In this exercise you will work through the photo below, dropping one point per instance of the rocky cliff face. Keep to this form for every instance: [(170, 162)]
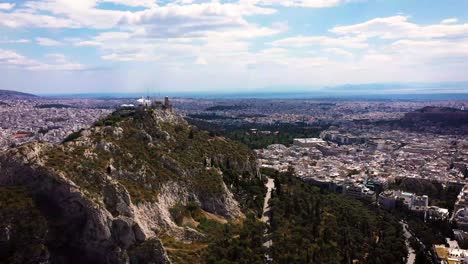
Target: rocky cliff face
[(108, 191)]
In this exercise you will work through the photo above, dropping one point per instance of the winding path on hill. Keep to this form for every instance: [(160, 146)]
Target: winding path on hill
[(266, 215)]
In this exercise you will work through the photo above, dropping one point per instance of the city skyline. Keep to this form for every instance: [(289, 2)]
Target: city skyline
[(131, 46)]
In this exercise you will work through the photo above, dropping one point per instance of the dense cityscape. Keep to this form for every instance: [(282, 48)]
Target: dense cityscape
[(362, 149)]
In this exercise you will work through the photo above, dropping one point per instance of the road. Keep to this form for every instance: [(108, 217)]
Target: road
[(266, 215), (411, 253), (266, 207)]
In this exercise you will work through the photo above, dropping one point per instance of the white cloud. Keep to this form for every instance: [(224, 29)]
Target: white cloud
[(307, 41), (14, 41), (409, 44), (215, 9), (375, 58), (399, 27), (174, 33), (174, 39), (194, 17), (88, 43), (130, 56), (48, 42), (449, 21), (6, 6), (23, 18), (303, 3), (418, 51), (83, 13), (339, 52), (133, 3), (56, 57), (201, 61), (8, 55), (388, 27), (12, 60), (193, 20)]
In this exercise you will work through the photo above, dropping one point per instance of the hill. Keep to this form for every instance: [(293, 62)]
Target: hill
[(114, 193), (441, 115), (8, 95)]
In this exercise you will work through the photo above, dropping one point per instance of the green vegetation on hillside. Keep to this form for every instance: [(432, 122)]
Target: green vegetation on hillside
[(233, 241), (280, 133), (23, 229), (72, 136), (150, 152), (243, 247), (226, 107), (262, 140), (312, 226), (61, 106)]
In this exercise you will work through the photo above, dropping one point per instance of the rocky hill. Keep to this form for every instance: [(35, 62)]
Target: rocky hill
[(441, 115), (108, 193), (8, 95)]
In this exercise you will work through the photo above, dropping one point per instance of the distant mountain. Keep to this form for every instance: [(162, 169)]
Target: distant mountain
[(8, 94), (435, 109), (396, 88)]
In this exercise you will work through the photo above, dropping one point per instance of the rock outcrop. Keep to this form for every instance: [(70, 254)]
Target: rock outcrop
[(107, 194)]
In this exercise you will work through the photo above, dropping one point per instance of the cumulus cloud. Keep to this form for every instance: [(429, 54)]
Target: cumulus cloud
[(339, 52), (399, 27), (194, 20), (14, 41), (418, 51), (88, 14), (10, 57), (77, 14), (175, 32), (12, 60), (6, 6), (56, 57), (25, 18), (307, 41), (304, 3), (133, 3), (408, 43), (449, 21), (48, 42), (179, 37)]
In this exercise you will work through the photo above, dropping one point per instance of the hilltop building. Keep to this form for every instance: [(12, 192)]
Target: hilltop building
[(147, 102), (388, 200), (359, 192), (144, 101)]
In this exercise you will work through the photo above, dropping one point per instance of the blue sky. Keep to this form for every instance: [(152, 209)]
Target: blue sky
[(127, 46)]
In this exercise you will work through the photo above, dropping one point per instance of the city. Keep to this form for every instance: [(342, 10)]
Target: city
[(362, 150)]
